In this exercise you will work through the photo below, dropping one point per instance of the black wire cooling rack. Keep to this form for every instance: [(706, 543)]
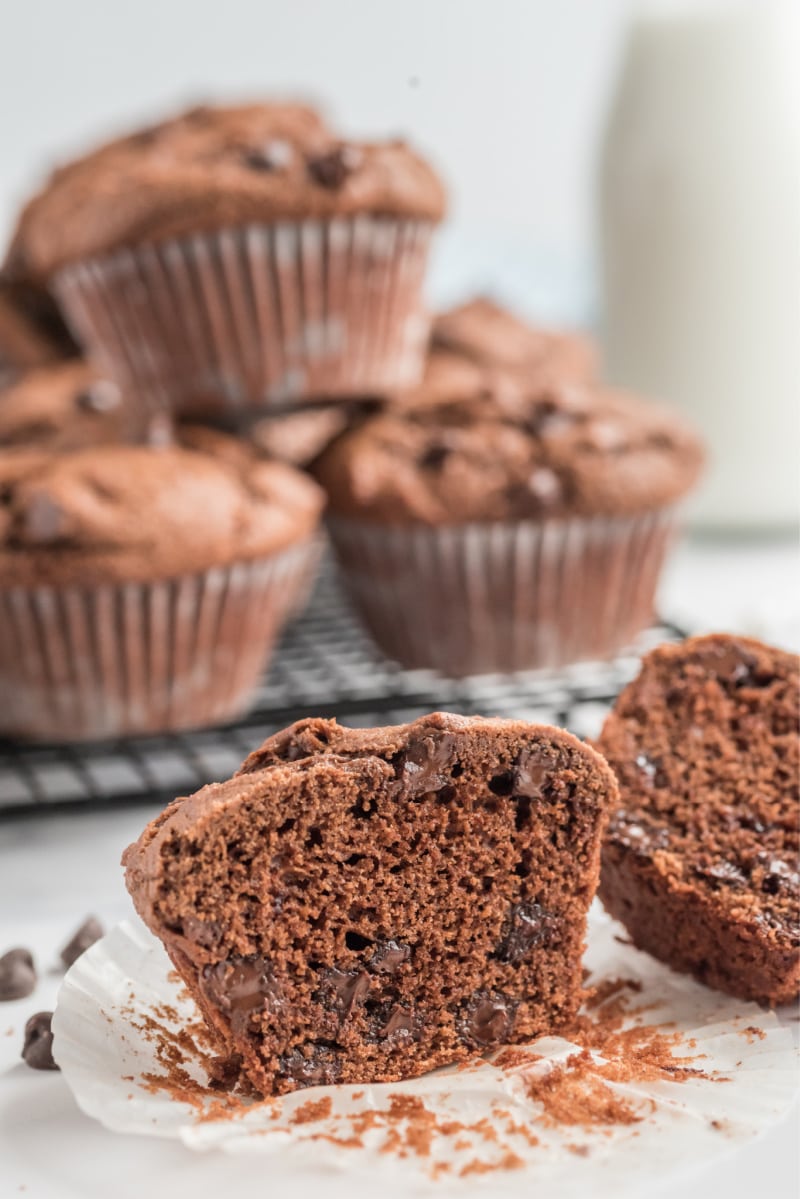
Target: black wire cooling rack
[(325, 665)]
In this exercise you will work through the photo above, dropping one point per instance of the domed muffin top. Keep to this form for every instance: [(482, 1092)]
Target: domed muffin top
[(136, 513), (507, 452), (490, 336), (212, 168)]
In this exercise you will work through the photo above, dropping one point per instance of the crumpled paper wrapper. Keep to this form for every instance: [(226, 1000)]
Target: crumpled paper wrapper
[(123, 1017)]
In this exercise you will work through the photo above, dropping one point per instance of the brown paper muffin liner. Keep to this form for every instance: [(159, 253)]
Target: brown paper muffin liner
[(247, 318), (482, 599), (80, 663)]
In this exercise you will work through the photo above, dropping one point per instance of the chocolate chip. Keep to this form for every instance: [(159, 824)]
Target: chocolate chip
[(529, 925), (41, 521), (402, 1024), (17, 975), (636, 835), (723, 872), (730, 663), (434, 457), (532, 770), (342, 990), (486, 1019), (605, 436), (425, 765), (100, 396), (206, 933), (274, 155), (90, 931), (312, 1065), (241, 987), (389, 957), (332, 168), (37, 1048), (545, 486)]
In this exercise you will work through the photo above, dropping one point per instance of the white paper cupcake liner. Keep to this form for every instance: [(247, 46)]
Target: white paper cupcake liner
[(245, 318), (81, 663), (122, 992), (487, 598)]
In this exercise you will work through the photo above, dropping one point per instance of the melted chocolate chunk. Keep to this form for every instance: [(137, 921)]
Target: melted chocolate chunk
[(100, 396), (342, 990), (389, 957), (242, 987), (206, 933), (730, 663), (425, 765), (332, 168), (402, 1025), (37, 1048), (17, 975), (529, 925), (486, 1019), (90, 931), (274, 155), (312, 1065), (532, 771)]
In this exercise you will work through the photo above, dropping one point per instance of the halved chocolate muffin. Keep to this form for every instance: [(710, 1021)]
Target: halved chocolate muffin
[(365, 905), (701, 861)]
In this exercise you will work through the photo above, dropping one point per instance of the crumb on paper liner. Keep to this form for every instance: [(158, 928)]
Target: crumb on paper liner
[(659, 1074)]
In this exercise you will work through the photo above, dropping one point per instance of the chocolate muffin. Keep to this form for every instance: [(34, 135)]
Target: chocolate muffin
[(141, 589), (240, 257), (509, 528), (701, 862), (32, 331), (365, 905), (65, 407), (490, 336)]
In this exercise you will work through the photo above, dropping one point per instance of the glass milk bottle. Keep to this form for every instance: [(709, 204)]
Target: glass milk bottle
[(699, 227)]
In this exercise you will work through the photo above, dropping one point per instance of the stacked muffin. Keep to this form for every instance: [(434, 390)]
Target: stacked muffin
[(248, 268), (229, 259)]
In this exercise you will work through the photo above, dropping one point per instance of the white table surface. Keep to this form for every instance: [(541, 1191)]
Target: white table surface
[(56, 869)]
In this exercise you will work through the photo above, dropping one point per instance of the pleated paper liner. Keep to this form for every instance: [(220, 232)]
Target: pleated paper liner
[(694, 1075), (247, 318), (494, 598), (82, 663)]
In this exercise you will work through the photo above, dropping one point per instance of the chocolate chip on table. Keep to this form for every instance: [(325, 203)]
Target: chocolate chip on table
[(273, 155), (486, 1019), (37, 1048), (17, 975), (332, 168), (90, 931)]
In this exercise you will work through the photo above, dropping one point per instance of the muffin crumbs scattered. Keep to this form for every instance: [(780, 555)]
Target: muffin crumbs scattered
[(573, 1093)]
